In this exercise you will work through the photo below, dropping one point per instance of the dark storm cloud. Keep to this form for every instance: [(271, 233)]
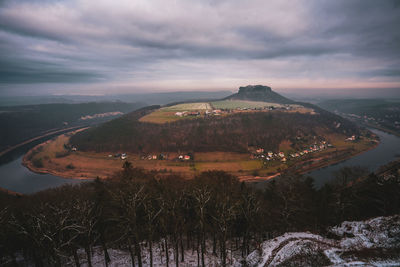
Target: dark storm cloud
[(372, 28), (139, 42), (25, 72)]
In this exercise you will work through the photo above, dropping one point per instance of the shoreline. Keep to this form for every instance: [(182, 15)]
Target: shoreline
[(254, 179), (29, 165), (245, 178), (10, 192), (10, 149)]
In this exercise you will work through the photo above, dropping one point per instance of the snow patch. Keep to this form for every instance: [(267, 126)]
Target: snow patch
[(381, 232)]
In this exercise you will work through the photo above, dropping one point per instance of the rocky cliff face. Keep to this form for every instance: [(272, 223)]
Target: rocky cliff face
[(254, 89), (259, 93)]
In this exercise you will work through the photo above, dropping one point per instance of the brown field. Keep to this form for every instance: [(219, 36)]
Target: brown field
[(92, 165), (161, 116), (284, 146), (220, 156), (302, 110), (229, 166)]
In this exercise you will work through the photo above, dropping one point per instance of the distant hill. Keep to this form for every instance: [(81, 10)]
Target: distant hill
[(148, 98), (20, 123), (234, 132), (379, 113), (259, 93)]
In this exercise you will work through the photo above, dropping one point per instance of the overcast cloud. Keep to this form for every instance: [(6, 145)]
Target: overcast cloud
[(101, 46)]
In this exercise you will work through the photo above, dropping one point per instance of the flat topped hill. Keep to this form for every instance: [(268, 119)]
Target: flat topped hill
[(248, 98), (259, 93)]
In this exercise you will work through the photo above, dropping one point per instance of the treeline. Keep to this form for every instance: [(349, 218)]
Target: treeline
[(134, 210), (20, 123), (235, 132)]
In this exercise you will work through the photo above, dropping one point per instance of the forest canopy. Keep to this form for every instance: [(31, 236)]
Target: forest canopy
[(134, 210)]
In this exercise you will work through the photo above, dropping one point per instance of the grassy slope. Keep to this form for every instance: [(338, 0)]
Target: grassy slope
[(233, 104)]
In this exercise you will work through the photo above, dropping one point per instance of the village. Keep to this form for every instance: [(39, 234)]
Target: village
[(255, 153), (258, 153), (268, 156), (222, 111)]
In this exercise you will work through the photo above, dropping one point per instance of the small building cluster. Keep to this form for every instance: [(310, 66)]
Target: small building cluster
[(218, 112), (154, 157), (187, 113), (70, 148), (122, 156), (184, 157), (281, 156), (280, 107), (351, 138), (206, 113)]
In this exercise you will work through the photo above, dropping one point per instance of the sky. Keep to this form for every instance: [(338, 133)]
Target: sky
[(138, 46)]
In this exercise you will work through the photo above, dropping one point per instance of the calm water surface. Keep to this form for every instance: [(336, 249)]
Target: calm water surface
[(387, 151), (15, 177)]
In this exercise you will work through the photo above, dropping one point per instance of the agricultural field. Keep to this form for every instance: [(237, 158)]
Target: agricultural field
[(234, 104), (52, 157), (188, 106), (161, 116), (167, 114)]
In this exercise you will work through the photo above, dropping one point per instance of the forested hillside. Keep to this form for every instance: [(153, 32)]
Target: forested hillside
[(380, 113), (20, 123), (233, 133)]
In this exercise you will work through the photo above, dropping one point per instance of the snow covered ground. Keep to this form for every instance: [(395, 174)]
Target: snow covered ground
[(375, 242), (122, 258)]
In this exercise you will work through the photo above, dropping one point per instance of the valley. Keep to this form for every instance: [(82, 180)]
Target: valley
[(253, 140), (199, 133)]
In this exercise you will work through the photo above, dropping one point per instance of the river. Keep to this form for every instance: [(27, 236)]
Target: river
[(15, 177), (387, 151)]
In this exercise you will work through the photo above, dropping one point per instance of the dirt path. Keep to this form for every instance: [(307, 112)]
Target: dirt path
[(281, 245)]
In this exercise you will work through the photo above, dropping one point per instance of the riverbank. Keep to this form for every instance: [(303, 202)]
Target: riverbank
[(386, 130), (9, 192), (385, 152), (47, 134), (320, 163), (54, 146), (51, 157)]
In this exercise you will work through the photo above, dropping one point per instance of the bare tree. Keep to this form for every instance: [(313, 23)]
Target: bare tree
[(86, 223), (202, 196), (152, 211), (129, 201)]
